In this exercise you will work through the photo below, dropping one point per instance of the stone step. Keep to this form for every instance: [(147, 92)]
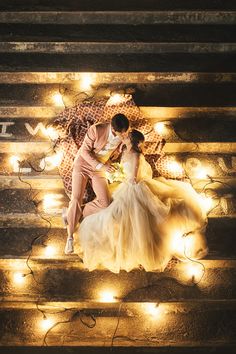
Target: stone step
[(115, 324), (112, 78), (46, 113), (24, 147), (104, 5), (16, 240), (54, 182), (21, 200), (220, 129), (66, 279), (179, 349), (118, 48), (197, 163), (114, 36), (184, 94), (48, 218), (195, 62), (119, 17)]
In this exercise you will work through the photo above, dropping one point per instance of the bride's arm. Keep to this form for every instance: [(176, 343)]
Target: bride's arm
[(135, 165)]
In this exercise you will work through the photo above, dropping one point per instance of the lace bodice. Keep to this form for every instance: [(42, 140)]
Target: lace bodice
[(144, 169)]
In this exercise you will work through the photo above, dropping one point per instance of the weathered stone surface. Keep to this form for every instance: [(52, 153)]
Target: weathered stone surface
[(181, 323), (119, 17), (114, 48)]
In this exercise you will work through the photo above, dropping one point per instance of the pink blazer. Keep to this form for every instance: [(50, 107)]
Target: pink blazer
[(94, 141)]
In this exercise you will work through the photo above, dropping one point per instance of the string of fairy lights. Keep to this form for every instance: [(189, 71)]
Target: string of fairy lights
[(193, 268)]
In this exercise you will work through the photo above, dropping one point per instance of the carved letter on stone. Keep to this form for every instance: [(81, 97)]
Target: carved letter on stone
[(34, 131), (3, 133)]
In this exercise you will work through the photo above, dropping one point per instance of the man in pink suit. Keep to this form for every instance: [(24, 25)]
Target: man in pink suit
[(91, 162)]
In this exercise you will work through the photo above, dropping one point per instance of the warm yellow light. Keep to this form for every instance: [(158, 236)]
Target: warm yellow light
[(205, 202), (160, 128), (19, 278), (194, 270), (201, 173), (51, 200), (58, 100), (177, 242), (50, 251), (86, 81), (15, 162), (46, 324), (116, 98), (107, 296), (153, 309), (174, 167), (51, 133), (51, 162)]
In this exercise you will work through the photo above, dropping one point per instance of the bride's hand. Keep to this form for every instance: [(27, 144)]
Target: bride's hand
[(132, 180), (108, 168)]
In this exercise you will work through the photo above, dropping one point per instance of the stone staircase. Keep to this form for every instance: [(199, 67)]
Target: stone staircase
[(179, 59)]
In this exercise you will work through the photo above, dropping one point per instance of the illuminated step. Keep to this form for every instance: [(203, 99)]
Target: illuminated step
[(52, 277), (157, 113), (220, 129), (114, 78), (119, 17), (29, 220), (46, 182), (16, 240), (135, 327), (169, 94), (52, 182), (114, 48), (23, 147)]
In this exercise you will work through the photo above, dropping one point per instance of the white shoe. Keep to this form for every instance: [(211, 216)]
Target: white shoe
[(64, 216), (69, 248)]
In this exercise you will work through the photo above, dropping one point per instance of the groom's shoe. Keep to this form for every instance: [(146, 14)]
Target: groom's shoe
[(64, 216), (69, 248)]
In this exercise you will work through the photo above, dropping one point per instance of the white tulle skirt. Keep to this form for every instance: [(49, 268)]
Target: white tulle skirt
[(146, 225)]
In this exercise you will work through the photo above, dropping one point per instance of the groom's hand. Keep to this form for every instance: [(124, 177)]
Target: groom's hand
[(108, 168)]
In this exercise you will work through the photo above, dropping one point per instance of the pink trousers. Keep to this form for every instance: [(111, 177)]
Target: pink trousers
[(82, 171)]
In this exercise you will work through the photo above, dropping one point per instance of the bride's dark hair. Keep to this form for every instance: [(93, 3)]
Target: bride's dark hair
[(136, 137)]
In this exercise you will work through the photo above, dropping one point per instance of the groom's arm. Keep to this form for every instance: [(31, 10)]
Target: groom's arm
[(86, 150)]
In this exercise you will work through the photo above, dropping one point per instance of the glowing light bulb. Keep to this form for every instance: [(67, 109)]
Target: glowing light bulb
[(205, 202), (116, 98), (52, 201), (19, 278), (194, 270), (15, 162), (201, 173), (46, 324), (153, 309), (174, 167), (50, 251), (51, 133), (51, 162), (107, 296), (86, 81), (58, 100), (160, 128)]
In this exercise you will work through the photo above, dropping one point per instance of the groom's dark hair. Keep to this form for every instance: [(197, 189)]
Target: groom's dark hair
[(120, 123)]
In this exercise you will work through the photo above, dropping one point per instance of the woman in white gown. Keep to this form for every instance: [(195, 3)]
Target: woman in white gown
[(146, 222)]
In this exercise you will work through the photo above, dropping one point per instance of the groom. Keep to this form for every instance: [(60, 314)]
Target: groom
[(91, 162)]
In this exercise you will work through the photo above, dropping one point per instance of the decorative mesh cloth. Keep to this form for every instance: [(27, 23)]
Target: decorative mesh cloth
[(73, 123)]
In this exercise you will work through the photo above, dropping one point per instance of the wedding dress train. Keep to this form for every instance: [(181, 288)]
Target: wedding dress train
[(145, 225)]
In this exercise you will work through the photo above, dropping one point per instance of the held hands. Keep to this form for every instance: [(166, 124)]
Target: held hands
[(108, 168)]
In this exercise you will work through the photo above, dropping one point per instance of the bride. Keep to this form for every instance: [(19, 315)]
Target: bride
[(148, 222)]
